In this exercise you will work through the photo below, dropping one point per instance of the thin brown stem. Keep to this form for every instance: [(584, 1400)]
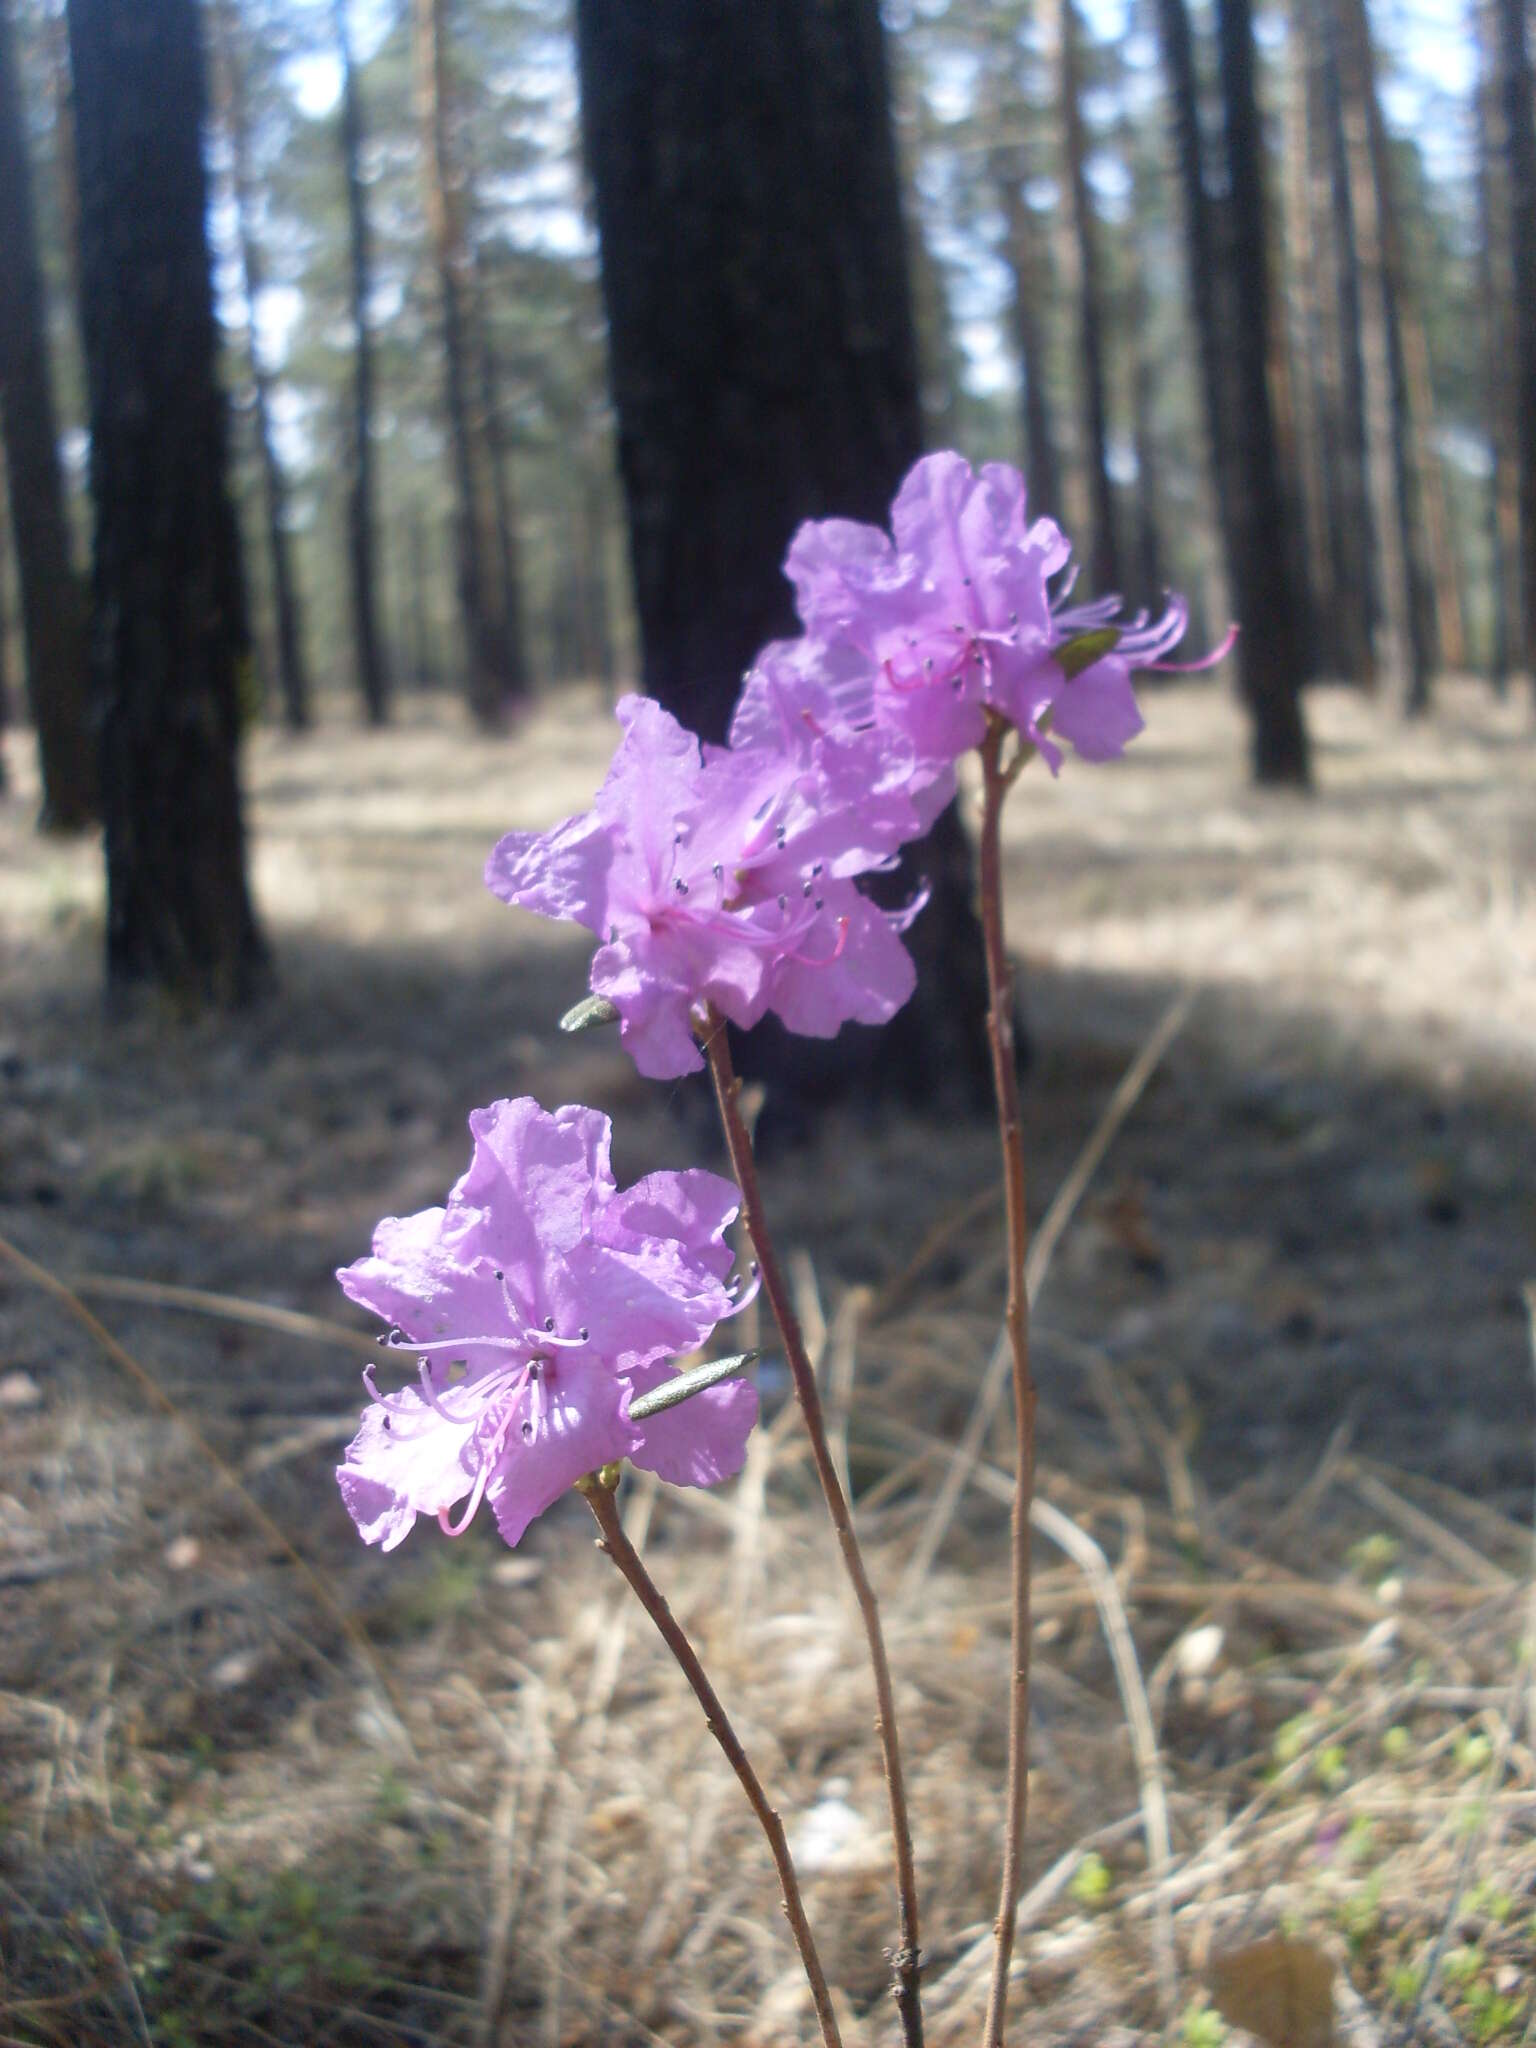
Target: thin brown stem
[(599, 1498), (996, 781), (906, 1962)]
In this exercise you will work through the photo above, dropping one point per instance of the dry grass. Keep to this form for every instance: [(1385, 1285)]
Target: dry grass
[(1287, 1431)]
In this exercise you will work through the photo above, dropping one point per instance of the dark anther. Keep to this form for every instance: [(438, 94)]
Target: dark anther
[(549, 1322)]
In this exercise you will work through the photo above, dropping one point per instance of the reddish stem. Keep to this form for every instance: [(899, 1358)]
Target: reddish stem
[(906, 1962), (996, 782), (599, 1498)]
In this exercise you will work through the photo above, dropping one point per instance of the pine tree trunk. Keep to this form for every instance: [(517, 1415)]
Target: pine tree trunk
[(362, 514), (1436, 585), (1307, 352), (495, 671), (1341, 376), (1406, 619), (1355, 505), (168, 604), (1520, 150), (52, 604), (1026, 257), (764, 371), (6, 713), (1493, 285), (293, 680), (503, 506), (1270, 647), (1083, 284)]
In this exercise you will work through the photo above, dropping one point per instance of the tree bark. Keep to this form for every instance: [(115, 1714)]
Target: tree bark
[(168, 623), (1027, 261), (1493, 286), (373, 679), (1083, 284), (5, 639), (52, 603), (496, 675), (292, 677), (1520, 150), (1307, 350), (764, 371), (1406, 625), (1270, 656)]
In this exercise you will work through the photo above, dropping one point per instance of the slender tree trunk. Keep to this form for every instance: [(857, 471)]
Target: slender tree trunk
[(1421, 486), (503, 504), (1503, 501), (592, 559), (1406, 619), (5, 637), (293, 681), (764, 371), (1520, 149), (1025, 253), (1340, 400), (1271, 642), (1083, 283), (419, 639), (495, 681), (1148, 581), (168, 612), (1200, 251), (1307, 349), (52, 606), (362, 513)]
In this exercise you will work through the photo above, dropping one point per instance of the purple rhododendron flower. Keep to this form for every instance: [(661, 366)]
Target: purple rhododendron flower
[(724, 876), (536, 1305), (923, 630)]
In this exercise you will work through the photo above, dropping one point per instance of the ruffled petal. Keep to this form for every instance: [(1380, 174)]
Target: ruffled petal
[(563, 873)]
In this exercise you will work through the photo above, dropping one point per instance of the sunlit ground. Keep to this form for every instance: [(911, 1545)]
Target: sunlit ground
[(1287, 1387)]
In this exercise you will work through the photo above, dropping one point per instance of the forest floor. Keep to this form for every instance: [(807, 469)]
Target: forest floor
[(1283, 1676)]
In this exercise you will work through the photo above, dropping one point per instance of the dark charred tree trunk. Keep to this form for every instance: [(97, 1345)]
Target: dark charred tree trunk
[(1341, 399), (1520, 148), (293, 680), (1084, 285), (1503, 504), (52, 602), (168, 622), (1271, 656), (1307, 351), (5, 639), (362, 514), (496, 675), (1200, 250), (1235, 383), (765, 371)]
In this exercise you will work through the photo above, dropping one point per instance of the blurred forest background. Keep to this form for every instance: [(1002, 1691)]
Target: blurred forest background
[(1247, 292), (386, 384)]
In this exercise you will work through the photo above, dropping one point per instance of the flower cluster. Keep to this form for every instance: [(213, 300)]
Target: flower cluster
[(726, 876), (534, 1308), (541, 1303)]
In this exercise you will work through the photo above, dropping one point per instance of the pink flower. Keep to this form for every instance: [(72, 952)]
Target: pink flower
[(923, 630), (534, 1307), (723, 876)]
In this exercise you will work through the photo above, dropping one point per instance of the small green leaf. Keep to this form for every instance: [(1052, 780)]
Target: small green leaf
[(686, 1384), (1073, 656), (589, 1013)]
